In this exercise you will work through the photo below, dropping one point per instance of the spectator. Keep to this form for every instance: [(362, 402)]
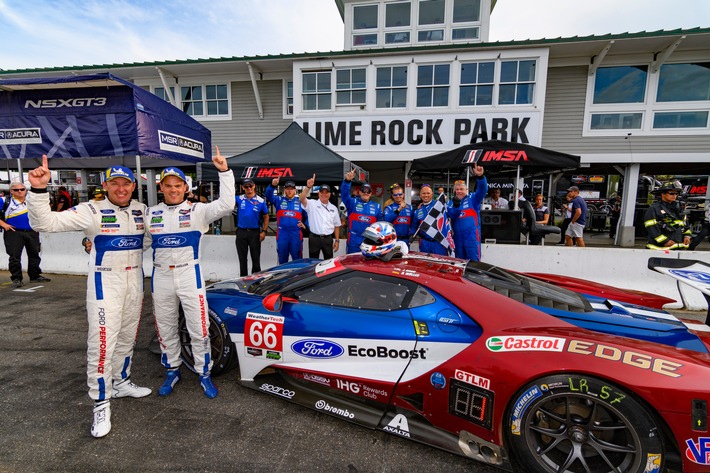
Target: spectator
[(495, 200), (323, 221), (426, 243), (19, 235), (289, 221), (542, 217), (64, 201), (176, 227), (361, 212), (704, 231), (399, 214), (390, 201), (464, 210), (252, 223), (511, 204), (614, 214), (665, 223), (578, 209), (440, 191), (114, 292), (98, 195), (567, 214)]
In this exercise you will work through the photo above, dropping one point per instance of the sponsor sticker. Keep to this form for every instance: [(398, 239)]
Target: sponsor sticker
[(278, 390), (698, 451), (437, 380), (20, 136), (473, 379), (520, 405), (230, 310), (525, 343), (385, 352), (317, 348), (653, 463), (322, 405), (264, 332), (398, 426)]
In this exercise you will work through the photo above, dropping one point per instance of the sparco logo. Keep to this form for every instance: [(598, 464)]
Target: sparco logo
[(316, 348), (525, 344), (171, 241), (278, 390), (384, 352), (324, 406), (127, 243), (59, 103)]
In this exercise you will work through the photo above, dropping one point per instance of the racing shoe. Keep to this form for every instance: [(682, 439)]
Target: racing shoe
[(102, 419), (210, 389), (172, 377), (126, 388)]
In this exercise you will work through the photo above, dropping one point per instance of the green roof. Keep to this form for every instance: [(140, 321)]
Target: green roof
[(378, 51)]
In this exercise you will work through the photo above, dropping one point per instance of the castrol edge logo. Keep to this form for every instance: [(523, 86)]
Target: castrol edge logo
[(518, 343)]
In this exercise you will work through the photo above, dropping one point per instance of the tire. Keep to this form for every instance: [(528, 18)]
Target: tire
[(580, 424), (224, 355)]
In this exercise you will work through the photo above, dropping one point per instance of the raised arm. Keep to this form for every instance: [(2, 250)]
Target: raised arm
[(303, 196)]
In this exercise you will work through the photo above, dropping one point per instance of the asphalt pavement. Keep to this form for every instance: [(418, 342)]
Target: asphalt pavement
[(45, 412)]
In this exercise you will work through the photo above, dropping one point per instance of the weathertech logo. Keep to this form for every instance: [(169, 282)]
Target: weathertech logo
[(525, 344), (509, 155), (254, 172), (20, 136)]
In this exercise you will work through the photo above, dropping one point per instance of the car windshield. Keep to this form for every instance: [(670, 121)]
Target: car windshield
[(276, 281), (525, 289)]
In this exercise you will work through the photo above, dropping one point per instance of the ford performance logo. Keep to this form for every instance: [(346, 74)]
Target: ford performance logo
[(317, 348), (127, 243), (172, 241)]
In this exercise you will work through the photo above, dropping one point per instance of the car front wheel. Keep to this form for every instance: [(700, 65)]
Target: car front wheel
[(573, 423)]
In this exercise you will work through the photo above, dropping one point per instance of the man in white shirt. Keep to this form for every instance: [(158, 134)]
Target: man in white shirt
[(496, 201), (323, 221)]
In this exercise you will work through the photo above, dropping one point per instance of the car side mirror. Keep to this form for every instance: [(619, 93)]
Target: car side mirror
[(274, 302)]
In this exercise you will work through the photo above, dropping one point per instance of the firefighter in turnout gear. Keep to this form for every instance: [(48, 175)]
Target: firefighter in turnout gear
[(665, 223)]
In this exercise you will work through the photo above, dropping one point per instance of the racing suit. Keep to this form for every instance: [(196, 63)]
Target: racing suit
[(176, 232), (426, 243), (114, 293), (665, 221), (466, 221), (360, 216), (289, 240), (401, 220)]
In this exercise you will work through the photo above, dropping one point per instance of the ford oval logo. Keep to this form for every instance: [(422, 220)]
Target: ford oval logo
[(696, 276), (127, 243), (288, 213), (171, 241), (317, 348), (363, 218)]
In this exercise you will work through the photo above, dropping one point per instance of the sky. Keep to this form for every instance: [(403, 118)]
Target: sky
[(64, 33)]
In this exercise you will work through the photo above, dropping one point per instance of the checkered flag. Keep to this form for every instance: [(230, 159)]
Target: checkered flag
[(436, 225)]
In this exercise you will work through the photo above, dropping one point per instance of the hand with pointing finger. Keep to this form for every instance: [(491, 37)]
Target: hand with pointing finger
[(311, 181), (39, 177)]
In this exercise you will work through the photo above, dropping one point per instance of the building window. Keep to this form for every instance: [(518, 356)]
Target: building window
[(622, 84), (391, 88), (616, 121), (192, 103), (477, 80), (162, 93), (680, 120), (458, 34), (216, 100), (431, 12), (397, 14), (433, 85), (399, 37), (430, 35), (466, 11), (350, 86), (684, 83), (517, 82), (289, 98), (316, 91), (364, 17), (205, 100)]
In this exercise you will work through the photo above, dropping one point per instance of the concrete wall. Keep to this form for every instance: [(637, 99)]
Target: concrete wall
[(620, 267)]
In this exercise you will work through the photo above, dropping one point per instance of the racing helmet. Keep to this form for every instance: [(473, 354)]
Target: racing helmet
[(380, 239)]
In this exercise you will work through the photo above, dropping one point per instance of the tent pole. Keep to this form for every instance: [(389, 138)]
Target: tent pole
[(515, 191), (139, 178), (19, 168)]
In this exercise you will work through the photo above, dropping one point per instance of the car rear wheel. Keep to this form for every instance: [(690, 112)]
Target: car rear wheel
[(580, 424), (224, 356)]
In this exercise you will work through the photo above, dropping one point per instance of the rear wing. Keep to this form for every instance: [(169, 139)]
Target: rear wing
[(695, 274)]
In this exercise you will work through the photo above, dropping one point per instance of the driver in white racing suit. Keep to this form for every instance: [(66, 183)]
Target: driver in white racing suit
[(114, 295), (176, 227)]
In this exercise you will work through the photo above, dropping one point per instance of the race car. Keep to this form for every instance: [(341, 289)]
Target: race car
[(476, 360)]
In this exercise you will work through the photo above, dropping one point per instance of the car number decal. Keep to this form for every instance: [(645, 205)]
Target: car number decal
[(264, 332)]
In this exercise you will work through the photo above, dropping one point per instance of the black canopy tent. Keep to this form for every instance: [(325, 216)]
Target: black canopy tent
[(293, 155)]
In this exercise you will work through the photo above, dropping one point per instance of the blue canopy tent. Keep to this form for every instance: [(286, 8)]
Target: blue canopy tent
[(101, 119)]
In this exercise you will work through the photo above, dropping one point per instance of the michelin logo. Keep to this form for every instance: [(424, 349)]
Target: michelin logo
[(179, 144), (20, 136)]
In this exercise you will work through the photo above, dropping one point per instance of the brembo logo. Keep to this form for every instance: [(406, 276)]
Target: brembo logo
[(66, 103)]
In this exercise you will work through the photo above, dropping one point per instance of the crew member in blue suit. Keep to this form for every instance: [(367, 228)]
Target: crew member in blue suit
[(399, 214), (361, 212), (426, 243), (464, 211), (252, 223), (289, 215)]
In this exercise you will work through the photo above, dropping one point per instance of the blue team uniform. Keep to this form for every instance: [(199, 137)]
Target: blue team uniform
[(426, 243), (360, 216), (289, 239), (466, 222), (400, 220)]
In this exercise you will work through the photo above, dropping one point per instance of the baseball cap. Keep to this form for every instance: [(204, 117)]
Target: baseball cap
[(366, 186), (324, 187), (573, 188), (247, 182), (290, 184), (119, 171), (172, 172)]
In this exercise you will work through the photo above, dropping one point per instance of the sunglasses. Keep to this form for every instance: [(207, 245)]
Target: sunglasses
[(397, 194), (671, 193), (248, 186), (366, 192), (18, 190)]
